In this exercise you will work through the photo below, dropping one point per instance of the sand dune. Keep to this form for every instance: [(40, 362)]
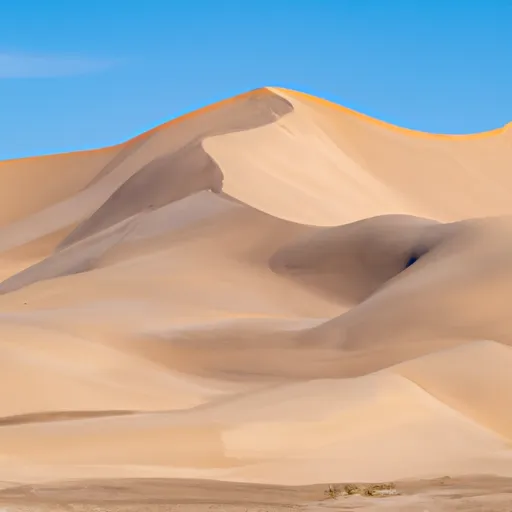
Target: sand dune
[(274, 289)]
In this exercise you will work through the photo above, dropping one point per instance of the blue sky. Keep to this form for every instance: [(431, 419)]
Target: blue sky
[(79, 75)]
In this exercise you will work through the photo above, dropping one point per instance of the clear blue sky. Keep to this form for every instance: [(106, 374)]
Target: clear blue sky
[(76, 75)]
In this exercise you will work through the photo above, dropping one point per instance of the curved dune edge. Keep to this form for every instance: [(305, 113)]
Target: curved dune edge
[(273, 289), (390, 126), (162, 126)]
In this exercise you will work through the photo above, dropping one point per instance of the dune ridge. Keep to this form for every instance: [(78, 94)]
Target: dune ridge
[(273, 289)]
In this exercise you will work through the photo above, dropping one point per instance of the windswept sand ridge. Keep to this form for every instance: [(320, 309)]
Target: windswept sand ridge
[(274, 289), (239, 113)]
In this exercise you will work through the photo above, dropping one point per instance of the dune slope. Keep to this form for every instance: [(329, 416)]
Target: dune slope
[(274, 289)]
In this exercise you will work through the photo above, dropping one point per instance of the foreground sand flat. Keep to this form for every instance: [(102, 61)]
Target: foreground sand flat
[(470, 494), (271, 290)]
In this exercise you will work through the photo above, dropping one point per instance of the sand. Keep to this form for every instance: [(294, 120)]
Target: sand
[(251, 302)]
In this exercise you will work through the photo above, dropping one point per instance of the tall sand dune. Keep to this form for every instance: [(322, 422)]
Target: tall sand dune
[(273, 289)]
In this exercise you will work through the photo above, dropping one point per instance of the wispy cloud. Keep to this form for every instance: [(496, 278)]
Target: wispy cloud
[(22, 65)]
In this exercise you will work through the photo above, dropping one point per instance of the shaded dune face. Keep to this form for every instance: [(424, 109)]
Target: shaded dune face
[(243, 112), (458, 289), (351, 262), (166, 179), (77, 258), (185, 167)]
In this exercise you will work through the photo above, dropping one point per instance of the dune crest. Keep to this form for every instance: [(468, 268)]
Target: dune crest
[(274, 289)]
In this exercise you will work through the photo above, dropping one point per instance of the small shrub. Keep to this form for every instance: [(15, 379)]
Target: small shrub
[(374, 490), (333, 492), (385, 489), (352, 489)]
